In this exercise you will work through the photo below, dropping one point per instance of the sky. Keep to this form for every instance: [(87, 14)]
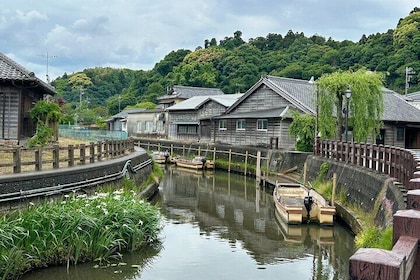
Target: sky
[(67, 36)]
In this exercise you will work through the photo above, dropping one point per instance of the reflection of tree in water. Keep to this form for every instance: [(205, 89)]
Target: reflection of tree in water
[(233, 207)]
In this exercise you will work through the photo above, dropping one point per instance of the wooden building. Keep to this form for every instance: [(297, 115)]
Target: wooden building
[(261, 117), (191, 120), (19, 91), (177, 94), (147, 123)]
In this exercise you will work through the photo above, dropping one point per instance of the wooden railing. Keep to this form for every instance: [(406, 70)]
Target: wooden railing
[(396, 162), (18, 159), (403, 261)]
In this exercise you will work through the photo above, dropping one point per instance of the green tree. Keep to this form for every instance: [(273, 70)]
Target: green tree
[(365, 105), (46, 115), (303, 129)]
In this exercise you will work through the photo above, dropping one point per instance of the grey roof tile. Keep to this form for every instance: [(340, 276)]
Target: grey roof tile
[(195, 102), (186, 92), (12, 71)]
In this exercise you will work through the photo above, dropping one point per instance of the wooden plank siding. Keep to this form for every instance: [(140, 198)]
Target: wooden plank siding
[(9, 115), (199, 115), (262, 98), (276, 129)]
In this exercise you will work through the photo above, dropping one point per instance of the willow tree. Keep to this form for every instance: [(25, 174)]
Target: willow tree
[(365, 105)]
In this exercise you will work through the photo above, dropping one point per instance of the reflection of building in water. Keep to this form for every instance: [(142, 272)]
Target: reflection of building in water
[(232, 208)]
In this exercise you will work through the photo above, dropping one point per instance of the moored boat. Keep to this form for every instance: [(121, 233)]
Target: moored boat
[(296, 204), (198, 162), (161, 157)]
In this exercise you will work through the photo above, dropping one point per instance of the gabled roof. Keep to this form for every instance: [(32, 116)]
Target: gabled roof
[(123, 114), (300, 93), (414, 96), (11, 71), (397, 109), (196, 102), (185, 92)]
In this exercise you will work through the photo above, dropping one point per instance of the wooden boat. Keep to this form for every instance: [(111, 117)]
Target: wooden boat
[(161, 157), (296, 204), (198, 162)]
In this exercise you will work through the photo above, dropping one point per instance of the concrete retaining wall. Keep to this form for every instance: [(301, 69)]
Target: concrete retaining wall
[(372, 191), (136, 165)]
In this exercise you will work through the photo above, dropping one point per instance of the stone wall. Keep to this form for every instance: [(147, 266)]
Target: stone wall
[(371, 191)]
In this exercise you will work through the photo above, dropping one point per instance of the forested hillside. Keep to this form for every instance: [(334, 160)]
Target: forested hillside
[(234, 65)]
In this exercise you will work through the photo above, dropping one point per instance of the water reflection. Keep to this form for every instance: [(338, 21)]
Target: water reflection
[(223, 226)]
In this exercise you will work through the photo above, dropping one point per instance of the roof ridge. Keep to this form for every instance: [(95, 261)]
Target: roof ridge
[(17, 66)]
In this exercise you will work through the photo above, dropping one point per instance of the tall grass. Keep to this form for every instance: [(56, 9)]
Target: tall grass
[(76, 229)]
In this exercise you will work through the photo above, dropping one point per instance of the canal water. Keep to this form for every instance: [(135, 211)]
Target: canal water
[(223, 226)]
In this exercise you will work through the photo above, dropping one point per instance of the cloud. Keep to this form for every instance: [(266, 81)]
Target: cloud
[(137, 34)]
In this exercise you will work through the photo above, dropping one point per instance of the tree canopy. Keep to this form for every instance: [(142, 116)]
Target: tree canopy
[(365, 104), (234, 65)]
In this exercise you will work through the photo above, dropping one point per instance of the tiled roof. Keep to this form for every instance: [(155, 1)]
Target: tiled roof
[(123, 114), (300, 93), (12, 71), (397, 109), (185, 92), (195, 102)]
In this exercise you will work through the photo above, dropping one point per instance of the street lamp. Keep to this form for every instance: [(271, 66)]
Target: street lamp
[(347, 93)]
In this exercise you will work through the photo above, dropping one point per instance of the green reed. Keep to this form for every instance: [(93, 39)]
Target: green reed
[(76, 229)]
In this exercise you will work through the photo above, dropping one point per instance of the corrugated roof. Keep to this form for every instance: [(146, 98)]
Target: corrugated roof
[(12, 71), (185, 92), (196, 102)]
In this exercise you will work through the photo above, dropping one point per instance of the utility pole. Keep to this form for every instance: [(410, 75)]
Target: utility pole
[(408, 73)]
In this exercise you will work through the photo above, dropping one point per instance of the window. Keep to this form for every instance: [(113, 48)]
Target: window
[(138, 126), (159, 126), (148, 126), (187, 129), (222, 125), (262, 124), (400, 133), (240, 124)]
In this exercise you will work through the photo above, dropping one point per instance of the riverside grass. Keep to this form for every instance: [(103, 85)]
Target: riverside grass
[(77, 228)]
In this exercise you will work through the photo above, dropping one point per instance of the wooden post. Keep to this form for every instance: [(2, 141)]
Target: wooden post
[(305, 166), (17, 164), (246, 163), (214, 158), (99, 151), (92, 152), (230, 159), (258, 171), (56, 156), (70, 155), (334, 189), (82, 158), (38, 158)]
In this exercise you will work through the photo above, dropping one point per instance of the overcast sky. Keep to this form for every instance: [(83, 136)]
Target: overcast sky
[(72, 35)]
